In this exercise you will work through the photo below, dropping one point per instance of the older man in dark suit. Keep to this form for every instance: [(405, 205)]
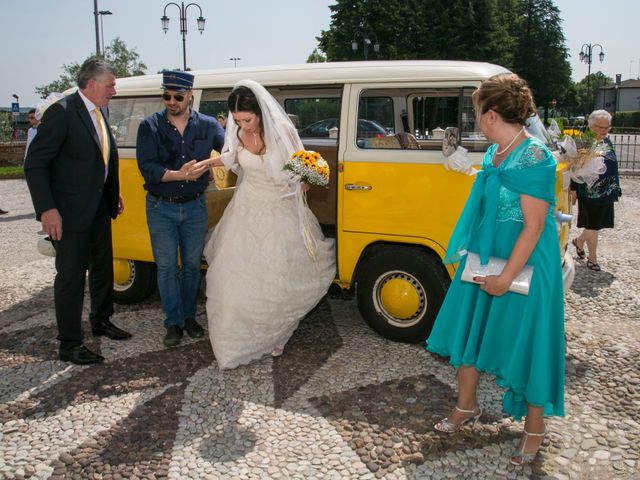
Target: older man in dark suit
[(72, 173)]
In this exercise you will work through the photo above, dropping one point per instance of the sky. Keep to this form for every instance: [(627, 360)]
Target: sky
[(40, 36)]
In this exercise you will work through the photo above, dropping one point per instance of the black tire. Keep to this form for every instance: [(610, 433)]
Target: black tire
[(413, 268), (140, 284)]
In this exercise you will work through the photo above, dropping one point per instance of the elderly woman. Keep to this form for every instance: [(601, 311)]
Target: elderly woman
[(595, 203)]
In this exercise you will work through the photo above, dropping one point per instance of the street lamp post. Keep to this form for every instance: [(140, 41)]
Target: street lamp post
[(95, 15), (183, 25), (366, 40), (616, 86), (102, 13), (235, 60), (586, 56)]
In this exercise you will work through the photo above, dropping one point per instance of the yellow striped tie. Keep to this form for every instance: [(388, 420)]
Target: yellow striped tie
[(104, 140)]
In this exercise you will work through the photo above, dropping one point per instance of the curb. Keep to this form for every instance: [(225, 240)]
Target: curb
[(11, 176)]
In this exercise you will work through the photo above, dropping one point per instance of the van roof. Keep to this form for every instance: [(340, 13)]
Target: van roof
[(330, 73)]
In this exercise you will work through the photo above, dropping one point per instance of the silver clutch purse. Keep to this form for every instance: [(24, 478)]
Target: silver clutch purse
[(473, 268)]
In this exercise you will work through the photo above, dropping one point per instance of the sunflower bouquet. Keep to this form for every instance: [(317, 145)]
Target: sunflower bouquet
[(309, 167), (585, 156)]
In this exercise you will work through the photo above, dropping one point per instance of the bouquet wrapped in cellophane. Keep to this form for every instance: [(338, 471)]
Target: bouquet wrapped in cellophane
[(585, 156), (309, 167)]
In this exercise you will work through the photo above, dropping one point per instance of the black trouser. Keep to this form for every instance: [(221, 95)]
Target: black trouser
[(77, 252)]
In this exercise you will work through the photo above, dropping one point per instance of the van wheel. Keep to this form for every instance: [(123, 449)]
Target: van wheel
[(133, 281), (400, 291)]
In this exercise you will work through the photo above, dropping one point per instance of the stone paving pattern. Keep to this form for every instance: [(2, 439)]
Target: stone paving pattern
[(341, 403)]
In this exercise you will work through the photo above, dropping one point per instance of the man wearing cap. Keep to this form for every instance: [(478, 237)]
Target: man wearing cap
[(169, 143), (72, 173)]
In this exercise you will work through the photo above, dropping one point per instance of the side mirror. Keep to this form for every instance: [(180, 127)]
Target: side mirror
[(450, 141)]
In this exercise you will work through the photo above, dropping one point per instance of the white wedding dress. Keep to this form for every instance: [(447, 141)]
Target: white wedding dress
[(261, 280)]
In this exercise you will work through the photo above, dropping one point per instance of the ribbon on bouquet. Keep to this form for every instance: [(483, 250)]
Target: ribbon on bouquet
[(304, 224)]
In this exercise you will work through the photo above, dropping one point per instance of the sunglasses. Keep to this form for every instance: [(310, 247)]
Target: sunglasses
[(178, 97)]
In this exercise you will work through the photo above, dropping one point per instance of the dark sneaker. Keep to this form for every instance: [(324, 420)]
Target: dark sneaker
[(173, 336), (193, 328)]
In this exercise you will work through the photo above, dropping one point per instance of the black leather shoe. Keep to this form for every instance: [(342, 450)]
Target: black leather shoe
[(79, 355), (193, 328), (107, 329), (173, 336)]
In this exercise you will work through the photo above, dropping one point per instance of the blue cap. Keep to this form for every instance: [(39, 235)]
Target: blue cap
[(177, 80)]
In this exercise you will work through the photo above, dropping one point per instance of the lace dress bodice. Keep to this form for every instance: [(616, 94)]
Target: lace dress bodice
[(509, 204)]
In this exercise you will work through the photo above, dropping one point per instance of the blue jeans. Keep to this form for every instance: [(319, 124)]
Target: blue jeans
[(177, 227)]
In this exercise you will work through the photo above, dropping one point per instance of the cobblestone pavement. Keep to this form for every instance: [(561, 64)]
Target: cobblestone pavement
[(341, 403)]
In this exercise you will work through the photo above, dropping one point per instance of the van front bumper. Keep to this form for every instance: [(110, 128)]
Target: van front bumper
[(568, 271)]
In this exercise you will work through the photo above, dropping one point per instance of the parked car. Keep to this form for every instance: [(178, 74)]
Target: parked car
[(320, 129)]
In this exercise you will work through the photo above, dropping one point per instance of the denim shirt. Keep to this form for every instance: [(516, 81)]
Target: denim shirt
[(160, 147)]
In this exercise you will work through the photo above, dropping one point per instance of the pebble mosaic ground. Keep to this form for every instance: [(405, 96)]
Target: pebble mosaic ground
[(341, 403)]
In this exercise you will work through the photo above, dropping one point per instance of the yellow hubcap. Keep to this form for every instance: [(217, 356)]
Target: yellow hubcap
[(400, 298), (121, 271)]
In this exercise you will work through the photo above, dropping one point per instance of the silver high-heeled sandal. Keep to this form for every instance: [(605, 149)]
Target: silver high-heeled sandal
[(519, 457), (445, 426)]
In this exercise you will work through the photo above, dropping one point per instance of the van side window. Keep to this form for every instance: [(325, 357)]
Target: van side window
[(376, 109), (125, 115), (213, 107), (314, 117), (435, 110), (416, 118)]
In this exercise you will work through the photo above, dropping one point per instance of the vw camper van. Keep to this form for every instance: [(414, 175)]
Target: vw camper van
[(391, 205)]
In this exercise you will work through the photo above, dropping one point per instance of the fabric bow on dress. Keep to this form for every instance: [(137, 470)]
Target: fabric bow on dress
[(480, 212)]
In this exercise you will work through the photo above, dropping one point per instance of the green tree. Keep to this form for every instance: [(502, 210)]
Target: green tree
[(541, 53), (125, 62), (569, 104), (316, 57), (586, 90), (479, 30), (524, 36), (6, 122), (473, 31), (66, 80)]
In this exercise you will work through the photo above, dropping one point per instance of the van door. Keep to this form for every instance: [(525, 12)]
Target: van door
[(394, 182), (398, 203)]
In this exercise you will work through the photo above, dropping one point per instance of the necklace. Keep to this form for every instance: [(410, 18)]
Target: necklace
[(255, 139), (511, 142)]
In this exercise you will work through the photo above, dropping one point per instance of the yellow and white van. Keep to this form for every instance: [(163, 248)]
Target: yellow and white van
[(391, 205)]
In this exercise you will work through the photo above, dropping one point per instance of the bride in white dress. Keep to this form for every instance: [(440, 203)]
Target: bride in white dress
[(263, 276)]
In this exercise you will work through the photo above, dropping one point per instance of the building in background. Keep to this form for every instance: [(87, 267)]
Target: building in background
[(621, 97)]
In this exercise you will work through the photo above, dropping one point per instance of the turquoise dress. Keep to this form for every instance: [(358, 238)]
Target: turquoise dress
[(517, 338)]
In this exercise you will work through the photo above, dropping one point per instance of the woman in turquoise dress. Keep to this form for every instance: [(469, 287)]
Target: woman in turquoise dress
[(484, 327)]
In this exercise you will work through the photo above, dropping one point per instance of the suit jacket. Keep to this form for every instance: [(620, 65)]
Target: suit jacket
[(64, 167)]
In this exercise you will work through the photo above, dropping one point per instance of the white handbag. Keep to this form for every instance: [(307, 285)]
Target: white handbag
[(473, 268)]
